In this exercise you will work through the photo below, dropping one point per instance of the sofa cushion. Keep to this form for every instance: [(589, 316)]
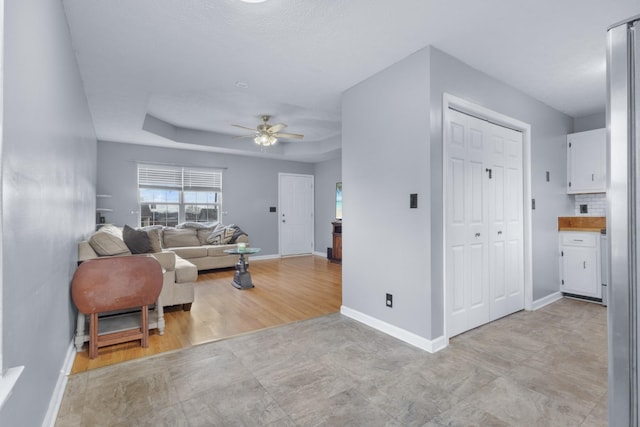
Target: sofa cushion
[(185, 271), (155, 237), (107, 241), (204, 233), (175, 238), (218, 250), (189, 252), (137, 241)]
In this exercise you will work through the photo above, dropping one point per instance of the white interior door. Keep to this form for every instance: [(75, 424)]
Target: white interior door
[(295, 217), (467, 226), (484, 259), (506, 231)]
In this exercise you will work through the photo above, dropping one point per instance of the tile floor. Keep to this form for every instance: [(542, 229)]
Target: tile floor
[(545, 368)]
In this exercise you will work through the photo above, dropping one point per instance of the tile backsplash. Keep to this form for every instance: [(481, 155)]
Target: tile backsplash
[(596, 204)]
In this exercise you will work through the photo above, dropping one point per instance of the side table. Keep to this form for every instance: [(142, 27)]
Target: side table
[(242, 278)]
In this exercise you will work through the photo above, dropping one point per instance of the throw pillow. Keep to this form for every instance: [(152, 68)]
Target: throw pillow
[(107, 241), (203, 233), (220, 236), (137, 241), (155, 237)]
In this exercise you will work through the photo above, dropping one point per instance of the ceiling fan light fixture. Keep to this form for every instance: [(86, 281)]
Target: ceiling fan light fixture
[(265, 139)]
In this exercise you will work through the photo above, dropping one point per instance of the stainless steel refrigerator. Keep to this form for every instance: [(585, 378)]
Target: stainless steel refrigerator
[(623, 125)]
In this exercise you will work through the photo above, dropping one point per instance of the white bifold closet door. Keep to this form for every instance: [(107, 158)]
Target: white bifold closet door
[(484, 233)]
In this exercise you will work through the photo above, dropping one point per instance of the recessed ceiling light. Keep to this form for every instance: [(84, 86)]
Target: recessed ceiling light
[(253, 1)]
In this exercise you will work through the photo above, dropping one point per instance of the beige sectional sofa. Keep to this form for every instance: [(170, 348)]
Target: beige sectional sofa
[(178, 277), (181, 252), (191, 244)]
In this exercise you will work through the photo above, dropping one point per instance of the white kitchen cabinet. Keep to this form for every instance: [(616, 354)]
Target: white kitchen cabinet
[(586, 162), (580, 266)]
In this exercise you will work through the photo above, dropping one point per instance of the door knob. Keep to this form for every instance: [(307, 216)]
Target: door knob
[(477, 234), (499, 232), (284, 220)]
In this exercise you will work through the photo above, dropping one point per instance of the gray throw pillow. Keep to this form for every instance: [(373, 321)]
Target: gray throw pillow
[(137, 241), (155, 237)]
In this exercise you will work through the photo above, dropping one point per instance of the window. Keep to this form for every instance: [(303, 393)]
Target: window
[(170, 195)]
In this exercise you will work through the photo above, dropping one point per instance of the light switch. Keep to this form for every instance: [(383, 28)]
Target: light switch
[(413, 200)]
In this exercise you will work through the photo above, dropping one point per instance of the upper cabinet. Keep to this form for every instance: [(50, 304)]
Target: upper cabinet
[(586, 162)]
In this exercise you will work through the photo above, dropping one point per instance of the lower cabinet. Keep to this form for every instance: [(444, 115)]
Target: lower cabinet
[(580, 266)]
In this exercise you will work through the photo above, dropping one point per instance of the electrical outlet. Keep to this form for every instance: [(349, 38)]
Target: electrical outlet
[(389, 300)]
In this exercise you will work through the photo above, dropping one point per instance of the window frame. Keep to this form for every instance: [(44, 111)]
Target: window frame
[(184, 180)]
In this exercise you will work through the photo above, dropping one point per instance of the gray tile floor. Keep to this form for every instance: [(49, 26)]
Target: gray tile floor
[(544, 368)]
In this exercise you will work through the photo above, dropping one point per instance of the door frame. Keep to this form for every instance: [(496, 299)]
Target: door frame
[(313, 209), (467, 107)]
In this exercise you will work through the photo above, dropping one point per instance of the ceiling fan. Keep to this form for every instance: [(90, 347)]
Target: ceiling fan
[(266, 134)]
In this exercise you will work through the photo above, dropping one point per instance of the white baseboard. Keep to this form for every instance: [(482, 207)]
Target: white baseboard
[(8, 380), (277, 256), (422, 343), (58, 392), (539, 303), (259, 257)]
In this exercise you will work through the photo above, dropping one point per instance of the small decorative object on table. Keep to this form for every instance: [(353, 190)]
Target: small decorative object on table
[(242, 278)]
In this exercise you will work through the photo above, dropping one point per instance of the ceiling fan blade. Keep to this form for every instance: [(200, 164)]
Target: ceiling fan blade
[(276, 128), (244, 136), (288, 135), (244, 127)]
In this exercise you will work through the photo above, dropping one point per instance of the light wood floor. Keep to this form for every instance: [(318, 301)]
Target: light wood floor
[(286, 290)]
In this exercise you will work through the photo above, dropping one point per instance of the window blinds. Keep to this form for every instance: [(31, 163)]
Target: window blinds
[(170, 177)]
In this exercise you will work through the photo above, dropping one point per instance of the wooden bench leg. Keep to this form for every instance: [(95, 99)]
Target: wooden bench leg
[(93, 335), (144, 341)]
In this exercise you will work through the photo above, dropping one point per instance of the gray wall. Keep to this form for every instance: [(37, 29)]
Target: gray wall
[(385, 157), (594, 121), (549, 128), (327, 174), (48, 199), (250, 186), (392, 146)]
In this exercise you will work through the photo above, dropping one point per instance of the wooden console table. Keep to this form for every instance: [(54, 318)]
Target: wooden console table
[(336, 252)]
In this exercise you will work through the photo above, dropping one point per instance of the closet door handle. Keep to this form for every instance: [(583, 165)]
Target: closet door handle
[(499, 232), (477, 234), (584, 265)]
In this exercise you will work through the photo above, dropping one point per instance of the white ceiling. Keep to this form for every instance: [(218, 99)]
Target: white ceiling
[(176, 62)]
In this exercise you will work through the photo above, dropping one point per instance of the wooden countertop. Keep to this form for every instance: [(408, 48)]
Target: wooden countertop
[(582, 223)]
